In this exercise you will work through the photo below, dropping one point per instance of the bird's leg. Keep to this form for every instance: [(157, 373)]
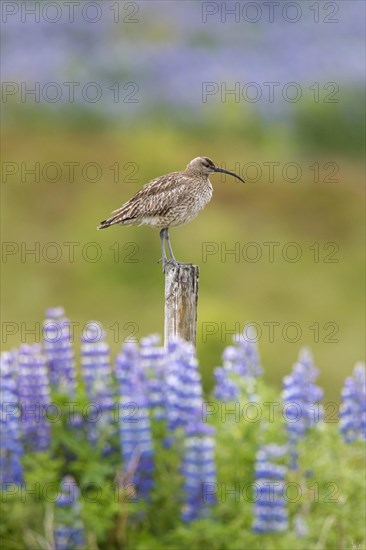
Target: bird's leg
[(172, 257), (167, 238), (164, 235), (163, 258)]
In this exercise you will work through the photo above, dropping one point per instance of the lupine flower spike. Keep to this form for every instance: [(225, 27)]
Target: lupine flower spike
[(134, 421), (301, 396), (183, 386), (199, 470), (353, 408), (97, 374), (241, 368), (34, 396), (11, 448), (59, 352), (270, 512), (68, 530)]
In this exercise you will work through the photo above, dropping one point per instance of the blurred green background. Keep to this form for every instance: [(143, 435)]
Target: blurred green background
[(169, 52)]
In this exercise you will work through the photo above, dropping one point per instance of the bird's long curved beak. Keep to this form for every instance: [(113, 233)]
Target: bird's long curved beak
[(217, 169)]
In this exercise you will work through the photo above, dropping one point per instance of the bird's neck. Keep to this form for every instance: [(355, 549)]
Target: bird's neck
[(195, 174)]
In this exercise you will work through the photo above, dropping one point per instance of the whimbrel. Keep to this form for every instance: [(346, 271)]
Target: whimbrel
[(169, 201)]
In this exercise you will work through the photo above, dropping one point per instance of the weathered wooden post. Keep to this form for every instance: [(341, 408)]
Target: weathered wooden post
[(181, 297)]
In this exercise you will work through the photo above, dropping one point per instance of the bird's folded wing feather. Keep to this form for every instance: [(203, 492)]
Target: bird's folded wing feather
[(156, 198)]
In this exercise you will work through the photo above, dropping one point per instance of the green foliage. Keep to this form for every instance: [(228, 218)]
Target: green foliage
[(337, 127), (327, 490)]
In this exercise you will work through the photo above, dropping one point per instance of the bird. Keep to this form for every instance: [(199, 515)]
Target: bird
[(169, 201)]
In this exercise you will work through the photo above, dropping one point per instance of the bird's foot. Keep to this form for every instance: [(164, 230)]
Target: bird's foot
[(171, 261)]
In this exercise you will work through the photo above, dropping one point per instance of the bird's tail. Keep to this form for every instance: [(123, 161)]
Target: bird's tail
[(114, 220), (104, 224)]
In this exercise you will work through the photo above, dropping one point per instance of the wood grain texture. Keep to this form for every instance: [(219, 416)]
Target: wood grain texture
[(181, 298)]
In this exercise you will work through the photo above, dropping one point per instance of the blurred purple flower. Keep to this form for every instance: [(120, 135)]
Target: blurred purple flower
[(68, 530), (97, 374), (352, 414), (34, 396), (153, 362), (183, 387), (301, 395), (177, 36), (58, 349), (243, 358), (270, 511), (199, 470), (241, 368), (11, 448), (134, 421), (225, 389)]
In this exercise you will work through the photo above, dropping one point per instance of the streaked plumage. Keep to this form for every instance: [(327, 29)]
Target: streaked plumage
[(168, 201)]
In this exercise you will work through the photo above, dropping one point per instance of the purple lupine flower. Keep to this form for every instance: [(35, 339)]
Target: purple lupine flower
[(301, 395), (243, 358), (260, 54), (58, 349), (183, 387), (225, 389), (134, 421), (241, 367), (352, 416), (128, 370), (270, 511), (34, 396), (68, 530), (199, 470), (153, 361), (11, 448), (97, 374)]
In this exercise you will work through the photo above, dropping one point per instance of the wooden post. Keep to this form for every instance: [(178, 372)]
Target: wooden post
[(181, 297)]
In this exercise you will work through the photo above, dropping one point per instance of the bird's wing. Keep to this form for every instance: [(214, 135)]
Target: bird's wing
[(154, 198)]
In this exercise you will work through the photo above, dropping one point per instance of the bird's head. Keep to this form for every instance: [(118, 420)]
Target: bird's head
[(204, 166)]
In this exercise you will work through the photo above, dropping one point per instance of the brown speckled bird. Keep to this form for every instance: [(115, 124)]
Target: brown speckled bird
[(168, 201)]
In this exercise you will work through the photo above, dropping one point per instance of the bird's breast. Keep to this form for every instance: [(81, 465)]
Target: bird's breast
[(191, 204)]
